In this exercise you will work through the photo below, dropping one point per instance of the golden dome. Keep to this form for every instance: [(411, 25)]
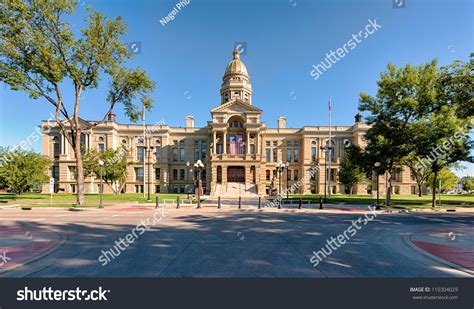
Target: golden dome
[(236, 66)]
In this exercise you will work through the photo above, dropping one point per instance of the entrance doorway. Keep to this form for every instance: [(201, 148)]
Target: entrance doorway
[(235, 174)]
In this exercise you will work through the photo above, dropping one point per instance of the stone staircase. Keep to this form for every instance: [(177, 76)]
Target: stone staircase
[(235, 189)]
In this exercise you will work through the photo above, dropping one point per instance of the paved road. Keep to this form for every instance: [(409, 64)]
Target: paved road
[(231, 243)]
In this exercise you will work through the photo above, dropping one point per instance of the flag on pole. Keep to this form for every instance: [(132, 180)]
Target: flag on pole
[(329, 104)]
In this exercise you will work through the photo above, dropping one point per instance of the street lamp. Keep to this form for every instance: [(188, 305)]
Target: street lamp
[(326, 149), (190, 170), (149, 150), (377, 165), (101, 163), (280, 167), (198, 167), (287, 164)]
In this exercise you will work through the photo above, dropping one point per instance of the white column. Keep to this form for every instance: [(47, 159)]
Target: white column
[(214, 146), (224, 142), (248, 142)]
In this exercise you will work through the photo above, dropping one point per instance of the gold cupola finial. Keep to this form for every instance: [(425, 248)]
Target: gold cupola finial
[(236, 53)]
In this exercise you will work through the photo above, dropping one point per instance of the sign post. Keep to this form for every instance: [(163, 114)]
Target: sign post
[(51, 190)]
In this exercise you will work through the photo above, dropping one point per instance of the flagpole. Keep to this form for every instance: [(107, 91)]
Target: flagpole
[(330, 149), (144, 149)]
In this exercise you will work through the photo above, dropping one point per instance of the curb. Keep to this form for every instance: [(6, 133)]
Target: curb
[(62, 240), (407, 239)]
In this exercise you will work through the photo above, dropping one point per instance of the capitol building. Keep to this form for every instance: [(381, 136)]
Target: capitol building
[(239, 151)]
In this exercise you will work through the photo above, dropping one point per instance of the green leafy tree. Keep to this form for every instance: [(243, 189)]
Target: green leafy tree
[(350, 171), (114, 170), (442, 132), (468, 183), (448, 179), (21, 170), (41, 55), (395, 105), (421, 175)]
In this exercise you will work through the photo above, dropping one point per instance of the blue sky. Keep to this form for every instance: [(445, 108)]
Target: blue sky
[(187, 57)]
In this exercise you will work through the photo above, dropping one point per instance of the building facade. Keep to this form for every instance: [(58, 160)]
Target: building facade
[(240, 153)]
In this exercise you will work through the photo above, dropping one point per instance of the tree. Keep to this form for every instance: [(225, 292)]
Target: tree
[(23, 169), (114, 170), (41, 55), (468, 183), (350, 171), (442, 131), (448, 179), (395, 106), (421, 175)]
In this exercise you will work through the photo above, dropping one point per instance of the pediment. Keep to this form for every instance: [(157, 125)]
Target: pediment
[(236, 106)]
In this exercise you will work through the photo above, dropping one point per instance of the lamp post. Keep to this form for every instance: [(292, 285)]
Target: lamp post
[(377, 165), (198, 167), (149, 150), (326, 176), (287, 164), (101, 163), (280, 167), (190, 170)]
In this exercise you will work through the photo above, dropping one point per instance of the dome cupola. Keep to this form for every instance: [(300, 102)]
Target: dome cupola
[(236, 81)]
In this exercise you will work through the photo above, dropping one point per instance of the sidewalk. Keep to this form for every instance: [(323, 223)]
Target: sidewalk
[(455, 245), (21, 244)]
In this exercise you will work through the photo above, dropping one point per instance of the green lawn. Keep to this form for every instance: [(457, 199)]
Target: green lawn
[(92, 200), (397, 200)]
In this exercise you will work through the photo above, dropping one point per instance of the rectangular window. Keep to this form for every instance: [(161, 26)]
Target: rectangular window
[(196, 154), (252, 149), (203, 175), (181, 174), (181, 154), (72, 172), (267, 155), (196, 143), (296, 152), (204, 143), (175, 174), (219, 148), (140, 153), (181, 189), (56, 150), (275, 158), (314, 153), (181, 143), (158, 153), (288, 154), (267, 174), (55, 172), (139, 173), (288, 174), (175, 154), (295, 175), (157, 189), (203, 153), (157, 173), (101, 148)]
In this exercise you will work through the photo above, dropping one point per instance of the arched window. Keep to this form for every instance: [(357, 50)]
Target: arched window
[(332, 149)]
